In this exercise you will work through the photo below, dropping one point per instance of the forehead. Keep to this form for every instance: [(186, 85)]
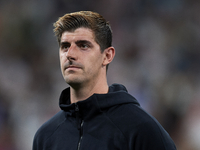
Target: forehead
[(78, 34)]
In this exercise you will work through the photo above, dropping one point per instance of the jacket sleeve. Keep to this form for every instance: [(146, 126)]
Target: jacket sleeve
[(151, 136)]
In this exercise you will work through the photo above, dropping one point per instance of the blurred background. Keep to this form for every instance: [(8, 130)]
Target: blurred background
[(157, 46)]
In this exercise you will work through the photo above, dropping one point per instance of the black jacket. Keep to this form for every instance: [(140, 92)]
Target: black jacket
[(113, 121)]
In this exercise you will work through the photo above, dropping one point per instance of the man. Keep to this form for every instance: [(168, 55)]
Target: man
[(93, 115)]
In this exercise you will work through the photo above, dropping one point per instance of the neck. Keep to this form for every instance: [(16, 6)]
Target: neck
[(83, 92)]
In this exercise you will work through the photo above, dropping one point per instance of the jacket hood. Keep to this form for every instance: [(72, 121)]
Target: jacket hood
[(117, 95)]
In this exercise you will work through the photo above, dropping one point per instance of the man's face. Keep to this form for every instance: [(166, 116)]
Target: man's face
[(80, 57)]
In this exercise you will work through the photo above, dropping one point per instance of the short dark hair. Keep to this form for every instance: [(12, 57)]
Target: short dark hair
[(88, 19)]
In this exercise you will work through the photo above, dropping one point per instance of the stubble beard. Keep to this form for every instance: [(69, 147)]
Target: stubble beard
[(71, 77), (80, 78)]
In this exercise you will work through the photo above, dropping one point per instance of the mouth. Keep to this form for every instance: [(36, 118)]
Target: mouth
[(72, 67)]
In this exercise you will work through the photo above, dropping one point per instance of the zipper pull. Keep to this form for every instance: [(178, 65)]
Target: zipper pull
[(76, 107), (77, 116)]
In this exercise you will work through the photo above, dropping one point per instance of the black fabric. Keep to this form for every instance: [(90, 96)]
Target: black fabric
[(112, 121)]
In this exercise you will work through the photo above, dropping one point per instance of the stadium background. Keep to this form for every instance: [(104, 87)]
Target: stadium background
[(157, 59)]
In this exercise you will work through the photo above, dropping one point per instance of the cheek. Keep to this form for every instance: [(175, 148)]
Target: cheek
[(95, 63), (62, 58), (62, 61)]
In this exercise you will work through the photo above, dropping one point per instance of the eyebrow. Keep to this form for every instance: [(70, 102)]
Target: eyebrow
[(84, 42), (63, 43), (77, 42)]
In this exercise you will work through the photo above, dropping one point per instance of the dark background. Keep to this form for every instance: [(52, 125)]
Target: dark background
[(157, 46)]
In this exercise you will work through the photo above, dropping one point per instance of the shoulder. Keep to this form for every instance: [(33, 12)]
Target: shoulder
[(131, 114), (52, 123), (48, 128), (139, 126)]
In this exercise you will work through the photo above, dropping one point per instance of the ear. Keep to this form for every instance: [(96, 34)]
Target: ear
[(109, 54)]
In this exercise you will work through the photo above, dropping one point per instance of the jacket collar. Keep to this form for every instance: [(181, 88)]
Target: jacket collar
[(117, 95)]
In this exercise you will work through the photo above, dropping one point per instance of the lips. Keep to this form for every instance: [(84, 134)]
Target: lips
[(71, 67)]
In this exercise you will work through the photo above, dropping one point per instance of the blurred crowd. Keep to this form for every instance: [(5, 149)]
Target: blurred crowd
[(157, 46)]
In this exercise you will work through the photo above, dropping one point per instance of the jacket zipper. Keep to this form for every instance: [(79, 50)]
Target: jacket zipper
[(80, 123), (81, 135)]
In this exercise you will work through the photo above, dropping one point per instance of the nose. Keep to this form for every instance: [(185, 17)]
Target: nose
[(71, 54)]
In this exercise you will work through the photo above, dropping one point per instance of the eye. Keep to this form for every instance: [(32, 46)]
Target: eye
[(84, 46), (65, 46)]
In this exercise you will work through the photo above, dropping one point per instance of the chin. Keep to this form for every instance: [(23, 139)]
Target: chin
[(73, 82)]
